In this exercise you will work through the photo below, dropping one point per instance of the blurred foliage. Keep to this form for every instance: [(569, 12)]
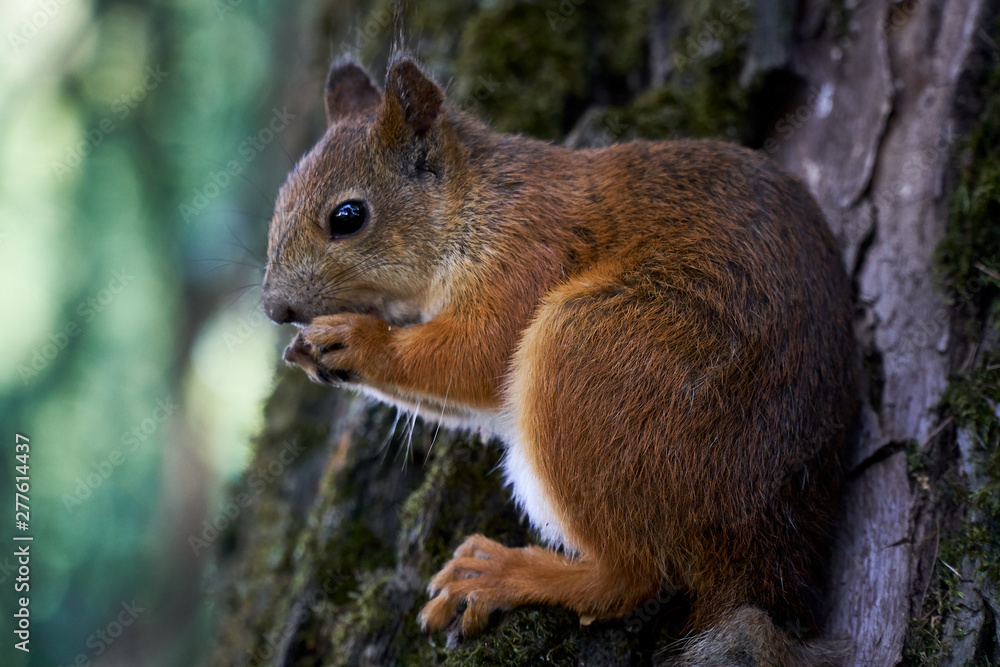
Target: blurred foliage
[(703, 96), (132, 357)]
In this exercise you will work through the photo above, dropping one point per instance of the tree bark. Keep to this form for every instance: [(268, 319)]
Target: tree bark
[(871, 104)]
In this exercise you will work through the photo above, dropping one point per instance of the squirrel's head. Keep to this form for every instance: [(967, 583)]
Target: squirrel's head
[(361, 223)]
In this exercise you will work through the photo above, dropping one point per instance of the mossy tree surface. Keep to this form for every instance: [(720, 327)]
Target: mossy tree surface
[(329, 566)]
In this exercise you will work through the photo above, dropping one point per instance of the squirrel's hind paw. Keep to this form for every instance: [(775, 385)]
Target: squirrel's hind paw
[(473, 579)]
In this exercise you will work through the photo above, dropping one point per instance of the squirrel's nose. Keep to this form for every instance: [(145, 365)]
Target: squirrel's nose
[(278, 311)]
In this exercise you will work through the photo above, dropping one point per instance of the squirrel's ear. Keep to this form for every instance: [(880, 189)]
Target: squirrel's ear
[(418, 97), (349, 90)]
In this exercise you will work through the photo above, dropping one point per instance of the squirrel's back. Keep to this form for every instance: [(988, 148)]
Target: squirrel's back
[(721, 384)]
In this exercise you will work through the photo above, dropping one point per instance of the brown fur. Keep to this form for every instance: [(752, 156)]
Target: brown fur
[(666, 324)]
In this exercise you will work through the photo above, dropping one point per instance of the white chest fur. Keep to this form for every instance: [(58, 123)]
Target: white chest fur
[(529, 493), (519, 473)]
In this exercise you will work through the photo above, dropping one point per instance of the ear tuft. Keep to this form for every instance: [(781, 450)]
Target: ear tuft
[(418, 96), (349, 90)]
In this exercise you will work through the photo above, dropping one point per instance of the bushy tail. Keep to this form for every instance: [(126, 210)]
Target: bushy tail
[(748, 638)]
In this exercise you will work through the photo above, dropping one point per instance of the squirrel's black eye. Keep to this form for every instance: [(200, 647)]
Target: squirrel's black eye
[(347, 218)]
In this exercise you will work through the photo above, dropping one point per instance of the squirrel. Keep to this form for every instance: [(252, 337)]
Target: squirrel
[(659, 332)]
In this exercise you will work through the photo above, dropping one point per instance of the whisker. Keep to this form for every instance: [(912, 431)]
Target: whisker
[(224, 262), (349, 272), (239, 242), (242, 292), (238, 213), (267, 200), (255, 306), (409, 439), (384, 449), (290, 160), (440, 417)]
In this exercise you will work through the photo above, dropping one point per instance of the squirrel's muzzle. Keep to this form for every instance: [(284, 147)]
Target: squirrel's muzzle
[(280, 311)]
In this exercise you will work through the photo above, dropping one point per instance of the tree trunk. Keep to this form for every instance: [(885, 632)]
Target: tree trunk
[(890, 113)]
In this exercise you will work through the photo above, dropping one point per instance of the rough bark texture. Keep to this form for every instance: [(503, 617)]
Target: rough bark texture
[(888, 112)]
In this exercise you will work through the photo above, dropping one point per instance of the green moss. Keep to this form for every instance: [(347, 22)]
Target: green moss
[(366, 614), (703, 96), (357, 538), (969, 256), (530, 636), (523, 74), (461, 494), (916, 460), (926, 644), (971, 401), (536, 67), (533, 67)]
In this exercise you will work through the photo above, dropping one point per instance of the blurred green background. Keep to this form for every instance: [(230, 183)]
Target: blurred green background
[(141, 145)]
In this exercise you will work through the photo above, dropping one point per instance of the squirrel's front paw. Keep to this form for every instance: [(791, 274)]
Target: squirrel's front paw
[(345, 347), (474, 579), (302, 354)]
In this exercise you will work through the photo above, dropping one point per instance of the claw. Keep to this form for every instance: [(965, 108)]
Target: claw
[(332, 347), (297, 351), (465, 591)]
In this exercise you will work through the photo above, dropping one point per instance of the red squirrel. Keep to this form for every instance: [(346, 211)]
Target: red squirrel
[(660, 333)]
